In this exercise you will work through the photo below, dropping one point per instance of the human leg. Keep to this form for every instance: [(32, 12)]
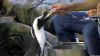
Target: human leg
[(88, 28), (60, 27), (92, 39)]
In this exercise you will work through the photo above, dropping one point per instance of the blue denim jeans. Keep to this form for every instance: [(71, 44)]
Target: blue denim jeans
[(60, 27), (66, 26)]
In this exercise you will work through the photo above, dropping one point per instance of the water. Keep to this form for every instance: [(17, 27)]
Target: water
[(62, 1), (18, 1), (46, 1)]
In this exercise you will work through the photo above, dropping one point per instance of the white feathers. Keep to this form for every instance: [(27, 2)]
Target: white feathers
[(40, 34)]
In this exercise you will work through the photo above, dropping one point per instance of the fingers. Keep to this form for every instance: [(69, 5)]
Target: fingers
[(91, 12), (52, 11), (56, 9), (53, 6)]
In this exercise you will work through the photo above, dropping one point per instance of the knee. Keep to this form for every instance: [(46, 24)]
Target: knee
[(90, 29), (57, 19)]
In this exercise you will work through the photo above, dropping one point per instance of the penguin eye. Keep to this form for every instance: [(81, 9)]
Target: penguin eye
[(42, 19), (45, 13)]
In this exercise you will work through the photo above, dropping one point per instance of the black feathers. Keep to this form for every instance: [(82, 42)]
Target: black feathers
[(43, 19), (36, 48)]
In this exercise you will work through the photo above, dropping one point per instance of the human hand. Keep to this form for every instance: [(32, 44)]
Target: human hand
[(91, 12), (57, 8)]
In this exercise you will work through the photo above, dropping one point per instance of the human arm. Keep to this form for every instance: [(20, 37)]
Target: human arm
[(87, 4)]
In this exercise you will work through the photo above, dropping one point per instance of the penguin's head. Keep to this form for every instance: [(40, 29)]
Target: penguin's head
[(43, 19)]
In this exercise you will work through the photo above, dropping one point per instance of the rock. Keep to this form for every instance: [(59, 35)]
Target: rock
[(11, 34), (41, 8), (6, 19)]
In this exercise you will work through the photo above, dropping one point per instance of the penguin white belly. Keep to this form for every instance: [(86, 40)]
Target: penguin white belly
[(40, 34)]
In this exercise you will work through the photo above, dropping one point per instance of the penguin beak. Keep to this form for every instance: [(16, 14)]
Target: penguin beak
[(45, 17), (49, 14)]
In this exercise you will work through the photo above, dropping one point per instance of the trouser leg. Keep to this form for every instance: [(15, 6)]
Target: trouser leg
[(92, 39), (90, 34), (60, 30), (59, 21), (87, 28)]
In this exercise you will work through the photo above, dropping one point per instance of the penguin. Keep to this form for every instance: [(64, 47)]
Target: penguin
[(38, 33)]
